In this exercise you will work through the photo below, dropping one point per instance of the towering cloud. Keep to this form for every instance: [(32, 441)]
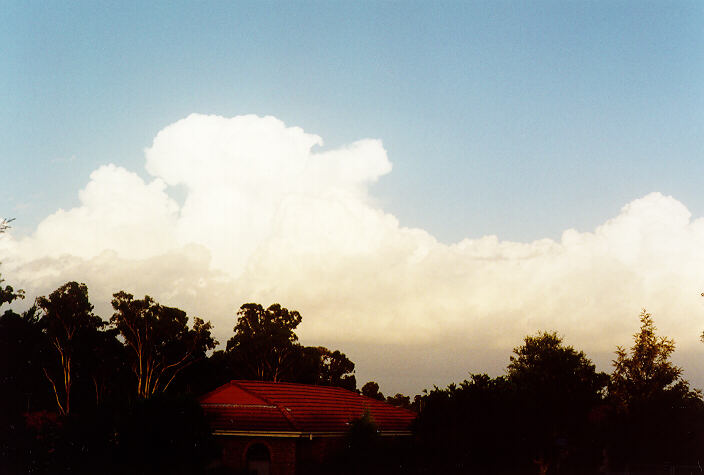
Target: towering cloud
[(267, 217)]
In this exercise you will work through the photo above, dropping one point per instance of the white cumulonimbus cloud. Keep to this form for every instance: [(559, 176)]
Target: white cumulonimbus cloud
[(268, 218)]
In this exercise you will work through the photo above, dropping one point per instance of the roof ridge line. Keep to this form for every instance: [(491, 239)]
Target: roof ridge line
[(258, 396), (283, 411)]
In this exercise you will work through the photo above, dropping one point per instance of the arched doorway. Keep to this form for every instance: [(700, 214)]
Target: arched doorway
[(258, 460)]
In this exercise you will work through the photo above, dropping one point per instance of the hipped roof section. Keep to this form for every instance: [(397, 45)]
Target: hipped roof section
[(264, 406)]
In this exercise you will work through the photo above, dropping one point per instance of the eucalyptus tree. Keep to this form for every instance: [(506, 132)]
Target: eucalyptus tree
[(68, 322), (158, 340), (265, 344)]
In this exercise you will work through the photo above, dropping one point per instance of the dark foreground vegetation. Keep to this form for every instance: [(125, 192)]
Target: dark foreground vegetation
[(80, 394)]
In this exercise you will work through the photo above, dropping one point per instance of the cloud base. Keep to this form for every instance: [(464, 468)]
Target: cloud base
[(268, 217)]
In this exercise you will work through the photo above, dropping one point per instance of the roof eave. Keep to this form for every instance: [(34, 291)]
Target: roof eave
[(300, 434)]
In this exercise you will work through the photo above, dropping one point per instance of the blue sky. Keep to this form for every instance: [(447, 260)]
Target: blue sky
[(521, 120)]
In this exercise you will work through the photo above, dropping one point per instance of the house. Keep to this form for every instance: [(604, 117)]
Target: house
[(275, 428)]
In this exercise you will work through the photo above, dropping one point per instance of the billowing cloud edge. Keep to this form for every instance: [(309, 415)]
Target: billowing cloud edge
[(268, 218)]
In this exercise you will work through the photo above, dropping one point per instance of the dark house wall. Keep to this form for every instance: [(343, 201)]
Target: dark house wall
[(282, 452)]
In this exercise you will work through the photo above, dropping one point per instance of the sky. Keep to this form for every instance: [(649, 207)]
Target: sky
[(427, 182)]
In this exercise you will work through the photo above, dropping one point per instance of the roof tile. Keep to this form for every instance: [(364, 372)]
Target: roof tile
[(270, 406)]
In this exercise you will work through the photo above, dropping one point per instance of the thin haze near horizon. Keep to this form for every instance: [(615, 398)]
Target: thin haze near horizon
[(427, 182)]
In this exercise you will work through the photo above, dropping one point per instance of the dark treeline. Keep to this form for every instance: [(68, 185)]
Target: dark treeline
[(82, 394), (552, 412)]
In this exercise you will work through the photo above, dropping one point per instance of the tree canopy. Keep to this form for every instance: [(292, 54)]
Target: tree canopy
[(645, 374), (159, 341), (371, 389), (549, 408), (656, 412), (22, 352), (335, 369), (265, 342), (9, 294), (553, 371), (68, 321)]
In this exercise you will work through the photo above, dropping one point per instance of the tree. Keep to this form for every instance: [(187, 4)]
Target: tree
[(5, 224), (167, 433), (556, 387), (265, 347), (158, 340), (362, 443), (22, 353), (8, 294), (655, 406), (104, 367), (555, 372), (67, 320), (265, 344), (645, 373), (371, 389), (471, 426), (336, 369), (399, 400)]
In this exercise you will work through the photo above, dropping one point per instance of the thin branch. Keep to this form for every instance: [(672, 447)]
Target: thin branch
[(56, 393)]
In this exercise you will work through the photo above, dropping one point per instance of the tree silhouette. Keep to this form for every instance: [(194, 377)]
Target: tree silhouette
[(159, 342), (555, 373), (371, 389), (471, 427), (7, 293), (654, 403), (23, 350), (399, 400), (67, 321), (644, 373), (5, 224), (335, 369), (265, 344), (556, 388)]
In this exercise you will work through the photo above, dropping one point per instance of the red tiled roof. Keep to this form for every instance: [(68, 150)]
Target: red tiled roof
[(290, 407)]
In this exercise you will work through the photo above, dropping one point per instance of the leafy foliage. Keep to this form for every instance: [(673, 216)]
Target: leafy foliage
[(264, 342), (363, 432), (472, 427), (68, 322), (165, 434), (23, 349), (645, 374), (265, 347), (399, 400), (333, 368), (7, 293), (548, 412), (556, 387), (5, 224), (160, 344), (23, 385), (552, 373), (537, 414), (371, 389), (656, 411)]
